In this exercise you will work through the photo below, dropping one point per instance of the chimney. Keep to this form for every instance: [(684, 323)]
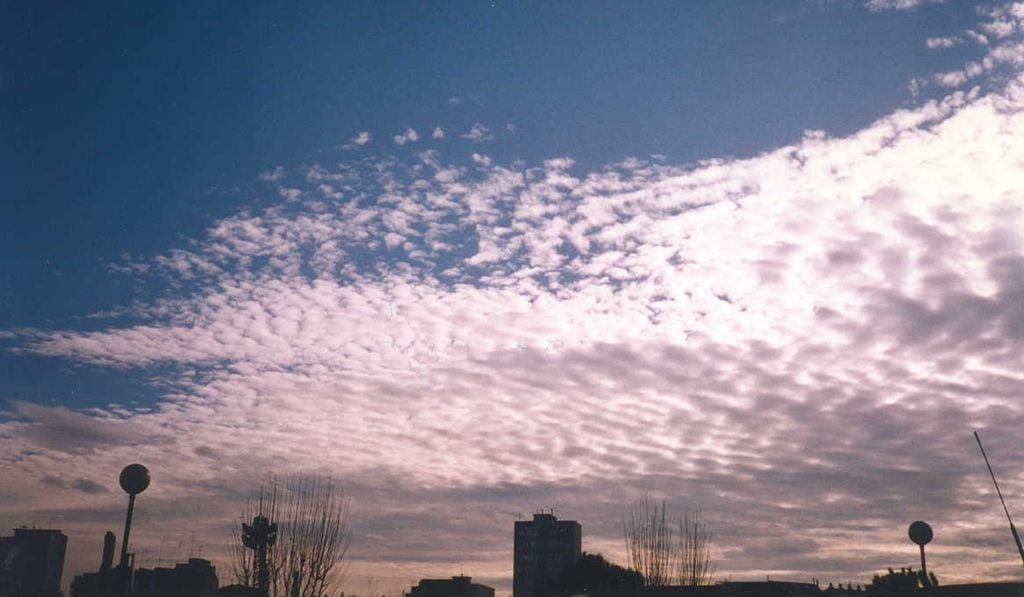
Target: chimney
[(109, 544)]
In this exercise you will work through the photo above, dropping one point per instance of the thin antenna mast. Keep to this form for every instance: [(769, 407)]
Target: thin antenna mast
[(1013, 529)]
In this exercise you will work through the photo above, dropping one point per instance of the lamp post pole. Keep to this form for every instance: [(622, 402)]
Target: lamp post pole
[(134, 480), (127, 530), (921, 533)]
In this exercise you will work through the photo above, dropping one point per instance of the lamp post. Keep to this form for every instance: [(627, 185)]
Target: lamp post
[(134, 480), (921, 533)]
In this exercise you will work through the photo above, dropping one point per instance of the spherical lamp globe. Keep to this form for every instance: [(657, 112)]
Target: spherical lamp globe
[(134, 479)]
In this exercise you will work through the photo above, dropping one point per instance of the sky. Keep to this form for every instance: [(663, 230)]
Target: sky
[(474, 260)]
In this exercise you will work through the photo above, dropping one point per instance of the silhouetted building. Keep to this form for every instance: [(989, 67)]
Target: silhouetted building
[(32, 562), (238, 591), (769, 588), (456, 586), (543, 547), (104, 582), (727, 589), (93, 584), (109, 545), (197, 578), (980, 589)]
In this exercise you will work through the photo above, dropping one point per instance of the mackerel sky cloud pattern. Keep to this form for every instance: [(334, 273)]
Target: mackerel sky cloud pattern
[(800, 342)]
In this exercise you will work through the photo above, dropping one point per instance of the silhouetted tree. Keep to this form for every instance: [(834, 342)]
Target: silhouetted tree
[(661, 554), (649, 542), (593, 571), (694, 566), (311, 514)]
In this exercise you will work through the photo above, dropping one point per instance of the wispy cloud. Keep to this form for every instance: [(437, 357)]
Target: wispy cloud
[(934, 43), (477, 133), (407, 136), (1002, 30), (272, 175), (882, 5), (360, 140)]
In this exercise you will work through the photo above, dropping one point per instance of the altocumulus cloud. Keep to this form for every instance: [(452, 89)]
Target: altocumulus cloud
[(800, 342), (1001, 30)]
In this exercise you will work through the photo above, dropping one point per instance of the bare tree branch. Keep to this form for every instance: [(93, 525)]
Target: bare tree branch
[(312, 517), (694, 550), (649, 544)]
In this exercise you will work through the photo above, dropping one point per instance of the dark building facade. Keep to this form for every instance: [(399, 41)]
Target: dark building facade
[(197, 578), (456, 586), (727, 589), (238, 591), (32, 562), (108, 580), (543, 547)]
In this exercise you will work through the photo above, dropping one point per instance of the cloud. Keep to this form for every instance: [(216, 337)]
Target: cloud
[(976, 37), (409, 136), (800, 342), (1002, 23), (882, 5), (438, 133), (87, 486), (272, 175), (478, 133), (360, 140), (82, 485), (934, 43), (60, 429)]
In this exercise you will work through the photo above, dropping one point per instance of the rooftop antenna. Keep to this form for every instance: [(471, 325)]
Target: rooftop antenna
[(260, 536), (1013, 529)]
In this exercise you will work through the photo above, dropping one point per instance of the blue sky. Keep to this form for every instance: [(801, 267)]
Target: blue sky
[(226, 213)]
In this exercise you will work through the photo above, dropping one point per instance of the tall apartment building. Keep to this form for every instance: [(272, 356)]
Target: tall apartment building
[(543, 547), (32, 562)]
